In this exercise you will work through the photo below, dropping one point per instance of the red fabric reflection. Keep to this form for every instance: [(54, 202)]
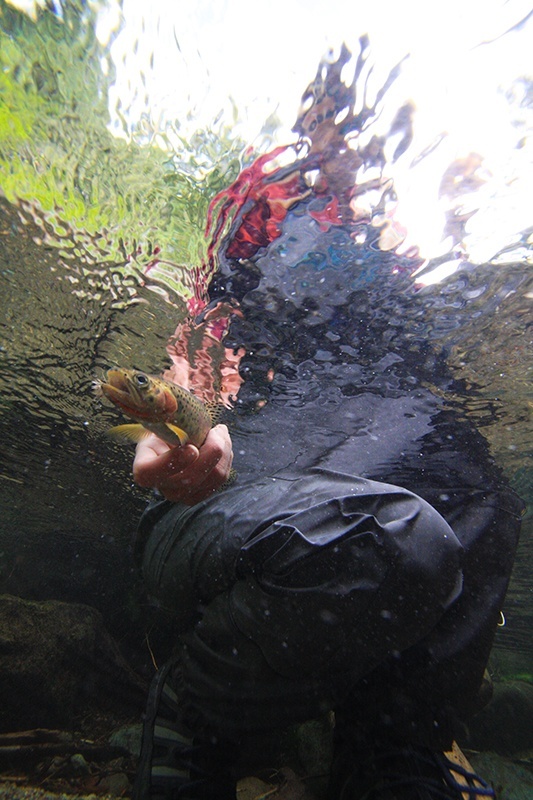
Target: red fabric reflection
[(269, 200), (328, 163)]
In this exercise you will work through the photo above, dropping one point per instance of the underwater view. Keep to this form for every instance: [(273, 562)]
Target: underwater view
[(318, 221)]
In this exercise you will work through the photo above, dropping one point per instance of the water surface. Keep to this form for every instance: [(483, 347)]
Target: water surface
[(102, 249)]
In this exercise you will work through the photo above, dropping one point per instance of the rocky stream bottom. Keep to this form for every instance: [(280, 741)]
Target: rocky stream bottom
[(71, 709)]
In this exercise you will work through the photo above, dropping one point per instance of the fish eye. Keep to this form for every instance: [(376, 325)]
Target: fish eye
[(141, 379)]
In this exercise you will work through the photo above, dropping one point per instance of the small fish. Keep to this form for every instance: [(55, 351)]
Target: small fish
[(157, 406)]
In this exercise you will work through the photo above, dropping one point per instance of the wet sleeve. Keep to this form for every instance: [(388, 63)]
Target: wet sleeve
[(346, 582), (187, 555)]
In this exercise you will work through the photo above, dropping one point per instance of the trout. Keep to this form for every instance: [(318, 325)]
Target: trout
[(158, 406)]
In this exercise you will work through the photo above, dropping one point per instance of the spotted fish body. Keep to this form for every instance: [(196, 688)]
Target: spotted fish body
[(156, 406)]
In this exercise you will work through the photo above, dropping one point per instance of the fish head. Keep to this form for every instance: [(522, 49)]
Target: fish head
[(142, 397)]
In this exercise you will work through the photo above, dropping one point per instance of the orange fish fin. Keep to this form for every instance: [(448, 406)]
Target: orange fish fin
[(132, 431), (181, 434)]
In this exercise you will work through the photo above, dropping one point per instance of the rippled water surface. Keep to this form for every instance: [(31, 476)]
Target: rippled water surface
[(101, 250)]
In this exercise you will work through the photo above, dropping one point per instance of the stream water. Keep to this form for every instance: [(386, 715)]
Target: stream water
[(102, 220)]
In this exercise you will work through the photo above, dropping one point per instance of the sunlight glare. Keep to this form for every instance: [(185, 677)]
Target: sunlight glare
[(181, 66)]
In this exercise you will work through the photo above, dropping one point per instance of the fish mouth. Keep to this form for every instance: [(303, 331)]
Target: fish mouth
[(118, 388)]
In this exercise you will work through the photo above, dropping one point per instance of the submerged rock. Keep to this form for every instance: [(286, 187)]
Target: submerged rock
[(129, 737), (59, 662), (505, 725), (10, 792), (511, 781)]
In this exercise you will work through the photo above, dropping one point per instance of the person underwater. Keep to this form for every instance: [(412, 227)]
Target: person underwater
[(359, 561)]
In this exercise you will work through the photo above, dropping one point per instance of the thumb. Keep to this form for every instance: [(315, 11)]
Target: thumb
[(179, 458)]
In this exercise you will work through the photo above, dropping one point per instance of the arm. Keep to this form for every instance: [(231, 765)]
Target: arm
[(187, 474), (184, 474)]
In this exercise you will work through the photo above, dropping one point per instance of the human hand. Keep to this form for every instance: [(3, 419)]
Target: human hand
[(184, 474)]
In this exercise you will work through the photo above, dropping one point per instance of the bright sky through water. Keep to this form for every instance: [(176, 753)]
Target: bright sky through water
[(184, 61)]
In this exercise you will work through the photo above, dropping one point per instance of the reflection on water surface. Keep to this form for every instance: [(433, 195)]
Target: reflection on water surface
[(102, 255)]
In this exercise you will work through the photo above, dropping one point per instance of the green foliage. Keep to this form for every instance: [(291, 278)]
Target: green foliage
[(56, 150)]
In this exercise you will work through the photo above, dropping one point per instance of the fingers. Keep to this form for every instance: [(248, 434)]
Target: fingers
[(207, 473), (156, 461), (185, 474)]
